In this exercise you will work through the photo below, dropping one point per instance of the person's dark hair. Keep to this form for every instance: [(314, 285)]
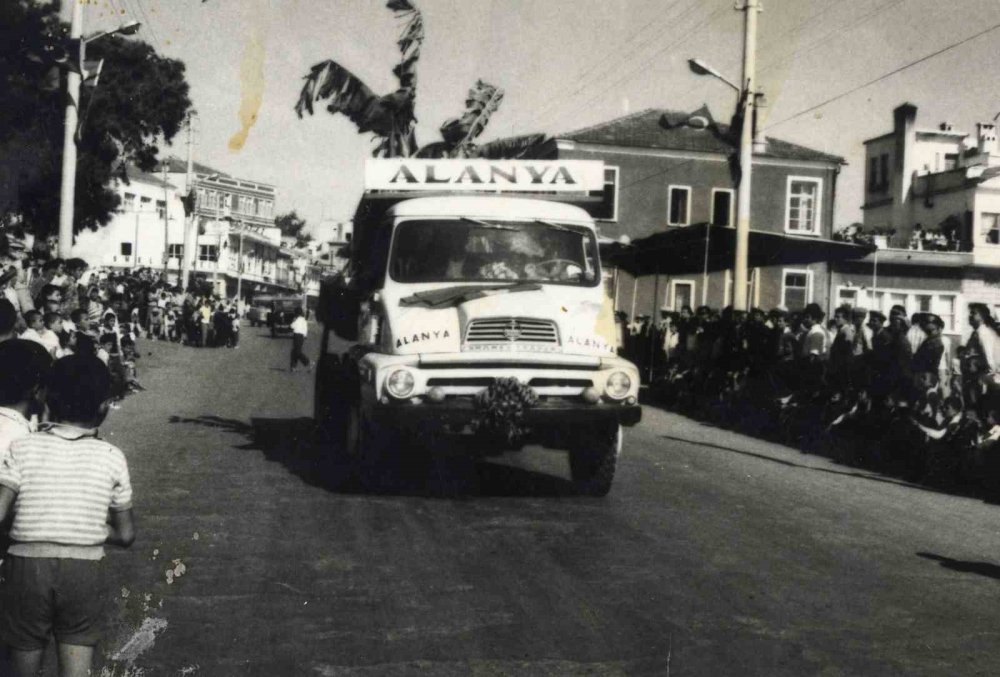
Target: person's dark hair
[(51, 264), (24, 365), (844, 311), (30, 316), (48, 290), (50, 318), (76, 264), (8, 316), (953, 402), (814, 311), (76, 315), (78, 386), (298, 311)]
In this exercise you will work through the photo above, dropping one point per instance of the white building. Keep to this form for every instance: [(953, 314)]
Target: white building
[(932, 200), (146, 232)]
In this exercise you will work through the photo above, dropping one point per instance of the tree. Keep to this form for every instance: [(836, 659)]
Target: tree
[(139, 99), (290, 224), (391, 117)]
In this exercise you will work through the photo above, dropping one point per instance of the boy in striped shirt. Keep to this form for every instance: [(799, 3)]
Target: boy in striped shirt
[(70, 494)]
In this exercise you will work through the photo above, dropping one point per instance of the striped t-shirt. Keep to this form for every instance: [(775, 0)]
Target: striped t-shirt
[(66, 480)]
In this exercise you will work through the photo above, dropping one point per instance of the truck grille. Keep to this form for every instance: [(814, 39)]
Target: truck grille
[(511, 330)]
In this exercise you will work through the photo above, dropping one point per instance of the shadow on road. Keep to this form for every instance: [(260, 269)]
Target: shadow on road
[(781, 461), (409, 471), (982, 568)]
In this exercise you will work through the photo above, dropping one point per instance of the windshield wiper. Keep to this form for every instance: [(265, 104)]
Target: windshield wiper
[(556, 226), (487, 224), (443, 298)]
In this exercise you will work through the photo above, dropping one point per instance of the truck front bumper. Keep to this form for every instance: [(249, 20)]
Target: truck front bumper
[(458, 412)]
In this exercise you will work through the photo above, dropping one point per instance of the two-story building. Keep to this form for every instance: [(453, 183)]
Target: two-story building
[(666, 169), (147, 231), (932, 206)]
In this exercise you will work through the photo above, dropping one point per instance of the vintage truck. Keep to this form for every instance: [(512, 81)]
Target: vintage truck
[(474, 303)]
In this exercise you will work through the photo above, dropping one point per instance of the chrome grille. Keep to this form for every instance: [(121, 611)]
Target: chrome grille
[(511, 330)]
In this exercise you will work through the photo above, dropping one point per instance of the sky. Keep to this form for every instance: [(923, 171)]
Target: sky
[(564, 65)]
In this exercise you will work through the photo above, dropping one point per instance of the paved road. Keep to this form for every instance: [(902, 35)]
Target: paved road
[(715, 554)]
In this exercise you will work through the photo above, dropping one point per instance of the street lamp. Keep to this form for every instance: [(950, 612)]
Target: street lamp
[(67, 193), (746, 104)]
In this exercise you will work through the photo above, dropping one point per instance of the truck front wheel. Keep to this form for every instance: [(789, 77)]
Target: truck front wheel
[(594, 459)]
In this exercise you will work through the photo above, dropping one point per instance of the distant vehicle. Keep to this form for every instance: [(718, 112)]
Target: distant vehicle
[(282, 312), (260, 309)]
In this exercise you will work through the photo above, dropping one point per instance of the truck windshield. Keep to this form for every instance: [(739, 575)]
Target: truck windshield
[(471, 250)]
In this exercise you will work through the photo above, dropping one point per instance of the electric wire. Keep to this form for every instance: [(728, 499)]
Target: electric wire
[(606, 67), (885, 76)]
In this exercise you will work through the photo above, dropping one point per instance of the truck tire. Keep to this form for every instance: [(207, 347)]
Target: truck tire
[(594, 459)]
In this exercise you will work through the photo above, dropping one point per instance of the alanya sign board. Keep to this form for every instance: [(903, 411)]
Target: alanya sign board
[(492, 176)]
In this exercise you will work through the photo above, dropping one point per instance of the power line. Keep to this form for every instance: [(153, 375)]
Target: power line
[(690, 34), (609, 66), (826, 38), (887, 75)]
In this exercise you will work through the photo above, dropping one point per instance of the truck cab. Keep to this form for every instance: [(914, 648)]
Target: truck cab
[(478, 312)]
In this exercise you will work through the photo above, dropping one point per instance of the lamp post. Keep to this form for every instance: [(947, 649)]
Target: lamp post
[(746, 103), (68, 189)]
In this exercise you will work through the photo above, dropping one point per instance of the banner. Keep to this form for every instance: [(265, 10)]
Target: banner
[(488, 176)]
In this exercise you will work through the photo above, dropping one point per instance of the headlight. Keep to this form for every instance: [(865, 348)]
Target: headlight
[(618, 385), (400, 383)]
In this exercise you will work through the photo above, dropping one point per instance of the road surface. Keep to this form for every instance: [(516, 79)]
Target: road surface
[(714, 554)]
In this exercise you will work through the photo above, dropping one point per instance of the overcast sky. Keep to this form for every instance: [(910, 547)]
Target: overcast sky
[(564, 64)]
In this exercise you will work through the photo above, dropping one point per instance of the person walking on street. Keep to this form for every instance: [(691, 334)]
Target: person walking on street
[(299, 330)]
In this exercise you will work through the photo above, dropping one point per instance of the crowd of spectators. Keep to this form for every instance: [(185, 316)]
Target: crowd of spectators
[(68, 308), (890, 393)]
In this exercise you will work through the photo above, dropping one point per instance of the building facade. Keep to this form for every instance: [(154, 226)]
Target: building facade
[(932, 206), (665, 170), (236, 246)]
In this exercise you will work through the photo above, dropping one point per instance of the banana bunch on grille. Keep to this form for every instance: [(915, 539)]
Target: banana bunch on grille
[(500, 409)]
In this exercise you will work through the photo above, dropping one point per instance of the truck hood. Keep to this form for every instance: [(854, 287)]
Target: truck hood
[(583, 318)]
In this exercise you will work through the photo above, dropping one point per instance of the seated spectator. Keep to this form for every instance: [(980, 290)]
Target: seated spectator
[(49, 335), (33, 319)]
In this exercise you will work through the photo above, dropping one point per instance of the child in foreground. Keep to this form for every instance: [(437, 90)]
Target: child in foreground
[(70, 494)]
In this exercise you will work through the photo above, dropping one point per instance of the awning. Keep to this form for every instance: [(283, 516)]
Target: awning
[(699, 247)]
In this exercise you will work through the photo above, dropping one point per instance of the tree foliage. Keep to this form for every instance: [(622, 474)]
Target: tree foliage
[(140, 101), (290, 224), (391, 117)]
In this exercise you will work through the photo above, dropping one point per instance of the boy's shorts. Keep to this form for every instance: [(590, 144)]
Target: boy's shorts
[(42, 596)]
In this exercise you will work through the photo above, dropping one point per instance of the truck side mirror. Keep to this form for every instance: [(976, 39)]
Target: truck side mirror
[(338, 309)]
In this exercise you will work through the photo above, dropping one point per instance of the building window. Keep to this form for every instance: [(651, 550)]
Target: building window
[(208, 252), (722, 207), (878, 173), (873, 183), (129, 202), (126, 249), (161, 209), (144, 204), (883, 161), (943, 304), (202, 201), (681, 294), (950, 161), (990, 228), (796, 289), (802, 208), (175, 251), (679, 208)]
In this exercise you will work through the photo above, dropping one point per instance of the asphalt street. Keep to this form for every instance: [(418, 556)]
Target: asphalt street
[(714, 554)]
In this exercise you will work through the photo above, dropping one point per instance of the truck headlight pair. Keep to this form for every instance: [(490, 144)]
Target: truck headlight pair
[(618, 385), (400, 383)]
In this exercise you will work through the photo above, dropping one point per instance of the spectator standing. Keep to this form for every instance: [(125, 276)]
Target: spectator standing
[(63, 517), (8, 321), (299, 331), (24, 367)]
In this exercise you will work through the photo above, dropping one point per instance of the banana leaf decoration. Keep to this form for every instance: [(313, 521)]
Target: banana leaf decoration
[(390, 117)]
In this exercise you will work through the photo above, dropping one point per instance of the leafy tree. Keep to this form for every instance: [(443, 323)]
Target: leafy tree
[(140, 100), (290, 224), (391, 116)]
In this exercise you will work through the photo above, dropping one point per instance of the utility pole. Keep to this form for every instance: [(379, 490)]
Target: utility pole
[(166, 223), (741, 264), (239, 268), (187, 250), (68, 190)]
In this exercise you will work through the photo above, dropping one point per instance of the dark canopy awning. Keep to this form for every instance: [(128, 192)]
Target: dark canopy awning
[(682, 250)]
